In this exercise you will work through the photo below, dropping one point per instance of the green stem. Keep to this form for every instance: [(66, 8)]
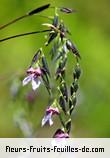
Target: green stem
[(24, 34), (13, 21)]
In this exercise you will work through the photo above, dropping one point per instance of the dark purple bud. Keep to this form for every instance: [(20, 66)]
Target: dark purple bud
[(63, 63), (61, 66), (55, 21), (45, 65), (36, 57), (52, 37), (40, 9), (72, 47), (71, 110), (60, 74), (60, 134), (63, 31), (68, 126), (73, 88), (77, 72), (62, 103), (74, 100), (66, 10)]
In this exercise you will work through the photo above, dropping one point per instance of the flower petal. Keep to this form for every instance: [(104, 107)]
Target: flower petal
[(35, 83), (47, 119), (44, 120), (50, 122), (27, 80)]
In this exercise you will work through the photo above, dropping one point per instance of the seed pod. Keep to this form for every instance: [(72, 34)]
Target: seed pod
[(64, 29), (71, 110), (73, 88), (60, 72), (55, 21), (71, 107), (74, 100), (77, 72), (71, 47), (66, 10), (40, 9), (70, 103), (62, 103), (45, 65), (68, 126), (36, 57), (51, 38), (60, 75), (64, 91)]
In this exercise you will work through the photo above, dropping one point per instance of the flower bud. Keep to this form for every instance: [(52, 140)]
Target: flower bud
[(71, 47), (66, 10), (40, 9)]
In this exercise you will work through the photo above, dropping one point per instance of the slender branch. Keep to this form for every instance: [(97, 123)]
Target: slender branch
[(24, 34), (33, 12), (13, 21)]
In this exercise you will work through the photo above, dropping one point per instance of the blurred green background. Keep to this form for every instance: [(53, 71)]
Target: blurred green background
[(90, 28)]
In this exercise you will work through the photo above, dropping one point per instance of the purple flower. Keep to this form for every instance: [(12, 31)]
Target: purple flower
[(48, 117), (34, 76), (60, 134)]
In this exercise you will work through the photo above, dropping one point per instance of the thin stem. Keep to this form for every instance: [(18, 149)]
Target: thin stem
[(13, 21), (24, 34), (33, 12), (20, 18)]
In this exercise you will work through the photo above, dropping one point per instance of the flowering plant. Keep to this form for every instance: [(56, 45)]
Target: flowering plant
[(65, 99)]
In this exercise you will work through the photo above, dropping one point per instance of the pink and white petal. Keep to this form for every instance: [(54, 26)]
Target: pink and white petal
[(35, 83), (47, 119), (50, 122), (43, 121), (26, 80)]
